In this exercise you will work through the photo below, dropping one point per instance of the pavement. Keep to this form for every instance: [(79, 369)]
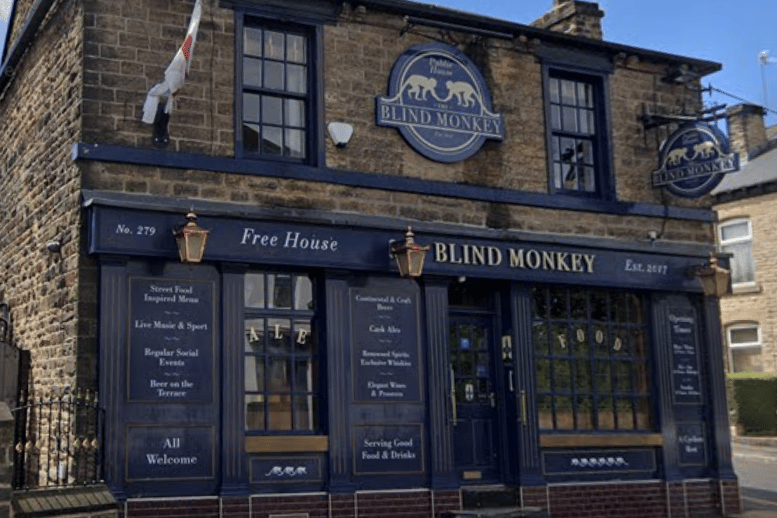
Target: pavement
[(762, 449)]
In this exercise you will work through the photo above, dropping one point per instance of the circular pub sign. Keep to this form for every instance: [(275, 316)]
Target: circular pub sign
[(439, 102), (693, 160)]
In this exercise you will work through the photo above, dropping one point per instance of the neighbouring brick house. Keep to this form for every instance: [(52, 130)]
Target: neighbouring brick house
[(554, 354), (745, 206)]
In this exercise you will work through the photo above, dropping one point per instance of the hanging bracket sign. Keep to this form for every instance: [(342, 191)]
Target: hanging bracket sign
[(439, 102), (693, 161)]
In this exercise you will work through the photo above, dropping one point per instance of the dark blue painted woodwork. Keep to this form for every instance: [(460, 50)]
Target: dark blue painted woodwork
[(686, 380), (338, 373), (597, 462), (438, 385), (122, 231), (526, 426), (692, 444), (171, 341), (234, 463), (274, 169), (474, 374), (137, 430), (159, 452), (720, 433), (386, 354), (389, 449), (288, 469), (388, 437)]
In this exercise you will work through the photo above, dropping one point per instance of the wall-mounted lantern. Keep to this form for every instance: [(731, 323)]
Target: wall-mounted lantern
[(409, 256), (191, 239), (715, 280)]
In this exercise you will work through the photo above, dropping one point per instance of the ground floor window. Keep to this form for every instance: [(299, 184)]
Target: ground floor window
[(744, 342), (281, 353), (592, 358)]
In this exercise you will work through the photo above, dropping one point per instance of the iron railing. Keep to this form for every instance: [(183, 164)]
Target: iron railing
[(57, 440)]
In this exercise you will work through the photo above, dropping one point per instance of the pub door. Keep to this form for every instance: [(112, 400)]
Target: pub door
[(472, 368)]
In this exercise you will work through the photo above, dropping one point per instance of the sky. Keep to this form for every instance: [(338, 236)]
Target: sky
[(5, 12), (733, 33)]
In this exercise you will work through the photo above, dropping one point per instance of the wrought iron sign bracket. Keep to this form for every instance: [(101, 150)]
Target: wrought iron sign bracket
[(711, 114)]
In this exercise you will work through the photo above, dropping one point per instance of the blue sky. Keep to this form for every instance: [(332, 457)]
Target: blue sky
[(729, 32), (725, 31)]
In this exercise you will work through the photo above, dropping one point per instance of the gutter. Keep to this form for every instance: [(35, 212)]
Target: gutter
[(38, 12)]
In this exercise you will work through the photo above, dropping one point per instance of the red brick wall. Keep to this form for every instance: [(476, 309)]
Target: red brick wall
[(633, 500), (639, 500), (414, 504), (730, 496), (316, 506)]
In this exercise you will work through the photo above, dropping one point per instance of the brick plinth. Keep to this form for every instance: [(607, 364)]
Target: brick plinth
[(643, 500)]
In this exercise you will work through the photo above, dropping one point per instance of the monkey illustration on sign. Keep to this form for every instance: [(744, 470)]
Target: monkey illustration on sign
[(464, 92), (675, 156), (418, 86), (705, 149)]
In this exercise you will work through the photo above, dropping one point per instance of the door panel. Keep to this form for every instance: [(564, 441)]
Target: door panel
[(475, 392)]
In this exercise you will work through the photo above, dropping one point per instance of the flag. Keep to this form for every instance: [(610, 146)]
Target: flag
[(175, 73)]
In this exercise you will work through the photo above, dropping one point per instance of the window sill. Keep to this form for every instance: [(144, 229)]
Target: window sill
[(571, 440), (742, 289), (287, 444)]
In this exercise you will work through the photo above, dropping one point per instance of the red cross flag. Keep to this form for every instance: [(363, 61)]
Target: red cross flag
[(175, 73)]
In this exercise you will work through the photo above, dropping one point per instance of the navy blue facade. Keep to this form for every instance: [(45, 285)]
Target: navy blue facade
[(174, 413)]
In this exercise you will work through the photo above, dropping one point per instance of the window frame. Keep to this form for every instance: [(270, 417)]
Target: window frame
[(602, 161), (572, 357), (743, 346), (313, 130), (749, 239), (294, 316)]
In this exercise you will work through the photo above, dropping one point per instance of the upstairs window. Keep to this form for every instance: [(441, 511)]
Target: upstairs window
[(576, 133), (277, 93), (736, 237)]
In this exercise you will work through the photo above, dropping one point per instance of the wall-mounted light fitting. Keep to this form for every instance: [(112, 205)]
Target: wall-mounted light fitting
[(340, 133), (191, 239), (409, 256), (54, 246), (715, 280)]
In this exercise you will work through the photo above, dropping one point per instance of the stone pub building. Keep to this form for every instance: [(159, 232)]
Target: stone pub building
[(556, 353)]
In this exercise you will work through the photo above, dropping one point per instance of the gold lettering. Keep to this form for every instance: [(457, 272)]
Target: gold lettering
[(516, 258), (440, 254), (478, 255), (577, 265), (561, 261), (548, 261), (589, 261), (533, 259), (494, 256), (453, 258)]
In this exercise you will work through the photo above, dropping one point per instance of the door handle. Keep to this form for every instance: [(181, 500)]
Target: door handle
[(524, 412), (492, 397), (453, 397)]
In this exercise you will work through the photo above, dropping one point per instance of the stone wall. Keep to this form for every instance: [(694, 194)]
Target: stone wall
[(758, 303), (39, 121), (127, 51)]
